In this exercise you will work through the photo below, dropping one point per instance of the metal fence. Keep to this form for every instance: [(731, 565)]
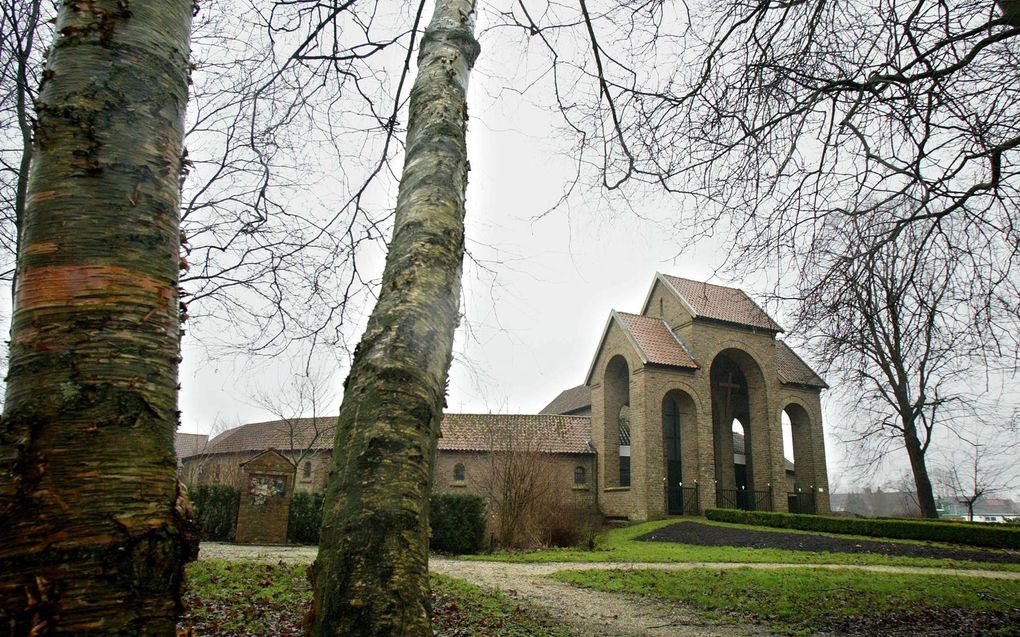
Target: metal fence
[(681, 500), (746, 499)]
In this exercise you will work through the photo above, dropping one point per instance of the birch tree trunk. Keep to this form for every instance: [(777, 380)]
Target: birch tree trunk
[(372, 570), (95, 534)]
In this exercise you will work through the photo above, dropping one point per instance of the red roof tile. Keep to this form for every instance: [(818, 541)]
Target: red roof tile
[(658, 345), (792, 369), (721, 303), (460, 432)]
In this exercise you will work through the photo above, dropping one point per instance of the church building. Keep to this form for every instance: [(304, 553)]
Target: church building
[(671, 390), (682, 409)]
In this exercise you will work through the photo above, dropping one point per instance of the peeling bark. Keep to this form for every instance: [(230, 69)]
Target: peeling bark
[(372, 571), (95, 528)]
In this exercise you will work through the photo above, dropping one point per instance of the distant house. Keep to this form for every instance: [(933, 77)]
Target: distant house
[(999, 510), (680, 410)]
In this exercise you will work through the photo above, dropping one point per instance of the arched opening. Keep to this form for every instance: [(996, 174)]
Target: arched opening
[(306, 470), (678, 426), (458, 473), (800, 472), (740, 432), (616, 442)]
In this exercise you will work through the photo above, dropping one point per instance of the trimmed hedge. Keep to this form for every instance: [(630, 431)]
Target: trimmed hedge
[(305, 518), (216, 509), (972, 534), (458, 523)]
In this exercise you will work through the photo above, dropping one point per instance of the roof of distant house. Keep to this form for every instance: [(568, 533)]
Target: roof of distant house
[(460, 432), (720, 303), (569, 400)]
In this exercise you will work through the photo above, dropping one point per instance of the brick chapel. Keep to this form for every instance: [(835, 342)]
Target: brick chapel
[(682, 409)]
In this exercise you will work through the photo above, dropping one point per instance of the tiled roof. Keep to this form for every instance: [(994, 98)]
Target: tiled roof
[(657, 343), (721, 303), (486, 432), (460, 432), (569, 400), (296, 433), (792, 370), (189, 444)]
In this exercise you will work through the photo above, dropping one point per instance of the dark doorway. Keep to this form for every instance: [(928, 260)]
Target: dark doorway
[(671, 446)]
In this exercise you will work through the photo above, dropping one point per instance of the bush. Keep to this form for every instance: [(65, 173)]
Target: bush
[(569, 525), (305, 518), (458, 523), (216, 509), (973, 534)]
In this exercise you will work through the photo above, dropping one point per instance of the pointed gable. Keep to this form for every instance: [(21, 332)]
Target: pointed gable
[(719, 303), (652, 340)]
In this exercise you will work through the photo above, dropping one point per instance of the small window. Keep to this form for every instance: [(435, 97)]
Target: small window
[(458, 472), (579, 476), (306, 472)]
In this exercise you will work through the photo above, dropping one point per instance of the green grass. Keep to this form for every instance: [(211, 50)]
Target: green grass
[(619, 545), (247, 598), (801, 601)]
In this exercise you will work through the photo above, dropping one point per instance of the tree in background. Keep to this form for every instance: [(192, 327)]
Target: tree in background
[(518, 484), (304, 408), (372, 569), (95, 535), (982, 464), (897, 326)]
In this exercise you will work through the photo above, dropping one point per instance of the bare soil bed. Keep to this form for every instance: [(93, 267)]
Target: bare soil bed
[(700, 534)]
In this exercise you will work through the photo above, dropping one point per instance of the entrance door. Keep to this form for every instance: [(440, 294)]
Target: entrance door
[(671, 443)]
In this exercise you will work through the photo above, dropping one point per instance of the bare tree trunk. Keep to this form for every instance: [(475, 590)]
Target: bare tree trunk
[(372, 570), (925, 494), (95, 529)]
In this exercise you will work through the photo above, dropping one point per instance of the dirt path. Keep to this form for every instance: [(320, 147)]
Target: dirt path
[(590, 613)]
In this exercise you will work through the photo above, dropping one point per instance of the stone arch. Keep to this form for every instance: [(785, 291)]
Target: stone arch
[(738, 393), (802, 431), (616, 433), (679, 445)]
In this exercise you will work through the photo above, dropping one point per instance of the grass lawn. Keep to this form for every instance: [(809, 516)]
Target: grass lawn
[(801, 601), (619, 545), (255, 599)]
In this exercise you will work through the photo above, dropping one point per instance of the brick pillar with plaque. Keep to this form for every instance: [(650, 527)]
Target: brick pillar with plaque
[(268, 483)]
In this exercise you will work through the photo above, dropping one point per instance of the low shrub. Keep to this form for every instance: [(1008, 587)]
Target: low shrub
[(216, 509), (569, 526), (304, 518), (973, 534), (458, 523)]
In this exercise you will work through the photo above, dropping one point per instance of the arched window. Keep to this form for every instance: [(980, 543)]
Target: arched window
[(306, 472), (580, 478), (458, 472)]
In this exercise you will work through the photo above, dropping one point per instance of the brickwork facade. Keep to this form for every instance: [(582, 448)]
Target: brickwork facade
[(663, 395)]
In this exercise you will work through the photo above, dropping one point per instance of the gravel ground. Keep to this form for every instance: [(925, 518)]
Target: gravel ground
[(701, 534)]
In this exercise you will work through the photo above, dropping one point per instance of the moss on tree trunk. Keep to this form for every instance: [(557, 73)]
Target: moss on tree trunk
[(94, 527), (372, 570)]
